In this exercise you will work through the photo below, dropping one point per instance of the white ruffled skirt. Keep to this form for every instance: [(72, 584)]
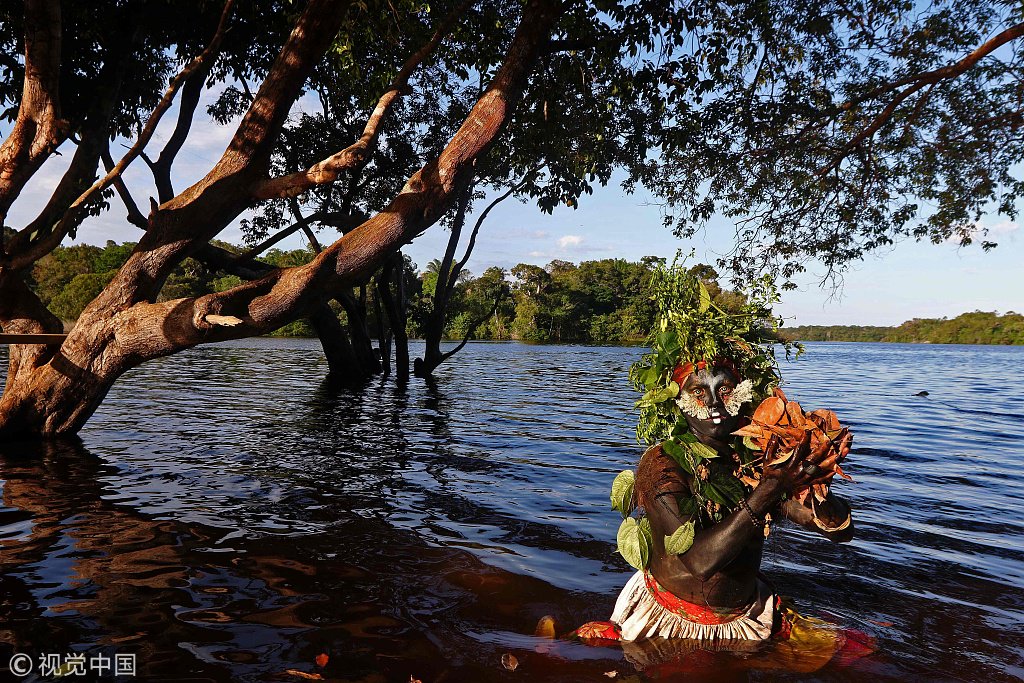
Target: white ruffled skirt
[(639, 615)]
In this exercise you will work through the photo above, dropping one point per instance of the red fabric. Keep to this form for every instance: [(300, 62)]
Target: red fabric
[(698, 614)]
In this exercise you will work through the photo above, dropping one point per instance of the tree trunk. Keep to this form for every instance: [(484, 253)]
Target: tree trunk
[(433, 327), (383, 328), (362, 344), (396, 306), (342, 363)]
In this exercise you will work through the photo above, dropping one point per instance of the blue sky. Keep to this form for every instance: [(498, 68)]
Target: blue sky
[(907, 281)]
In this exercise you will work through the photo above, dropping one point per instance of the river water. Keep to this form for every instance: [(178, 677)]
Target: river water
[(228, 517)]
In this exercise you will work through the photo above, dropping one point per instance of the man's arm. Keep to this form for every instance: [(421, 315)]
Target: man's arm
[(835, 519), (716, 547)]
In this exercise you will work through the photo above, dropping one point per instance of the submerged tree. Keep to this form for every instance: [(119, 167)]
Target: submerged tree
[(53, 390), (822, 127)]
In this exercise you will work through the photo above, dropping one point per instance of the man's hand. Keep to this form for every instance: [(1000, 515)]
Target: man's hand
[(793, 474)]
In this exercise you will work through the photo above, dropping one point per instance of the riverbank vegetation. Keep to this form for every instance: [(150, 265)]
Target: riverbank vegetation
[(979, 327), (605, 301)]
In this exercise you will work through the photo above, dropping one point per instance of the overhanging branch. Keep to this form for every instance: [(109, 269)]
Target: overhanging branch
[(357, 154)]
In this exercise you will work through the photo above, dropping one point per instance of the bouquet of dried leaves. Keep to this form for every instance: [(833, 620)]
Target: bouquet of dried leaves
[(782, 419)]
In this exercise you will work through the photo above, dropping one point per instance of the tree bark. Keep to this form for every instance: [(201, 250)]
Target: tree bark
[(38, 129)]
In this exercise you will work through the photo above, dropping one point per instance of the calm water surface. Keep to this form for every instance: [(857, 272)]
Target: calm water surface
[(229, 517)]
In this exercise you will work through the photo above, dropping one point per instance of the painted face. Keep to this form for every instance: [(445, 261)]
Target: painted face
[(711, 399)]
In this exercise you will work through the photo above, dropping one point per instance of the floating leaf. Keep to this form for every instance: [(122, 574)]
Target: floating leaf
[(680, 540), (302, 674), (545, 627), (509, 661), (321, 660), (622, 492)]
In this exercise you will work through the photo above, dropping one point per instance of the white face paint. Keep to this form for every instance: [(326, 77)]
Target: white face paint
[(690, 405), (743, 393)]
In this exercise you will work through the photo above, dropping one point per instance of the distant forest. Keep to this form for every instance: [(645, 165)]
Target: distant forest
[(600, 302), (979, 327)]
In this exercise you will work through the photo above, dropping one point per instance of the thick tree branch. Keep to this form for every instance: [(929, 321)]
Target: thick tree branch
[(39, 237), (179, 227), (283, 295), (357, 154), (38, 129)]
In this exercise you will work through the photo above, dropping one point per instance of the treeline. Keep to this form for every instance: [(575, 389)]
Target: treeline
[(596, 301), (602, 301), (979, 327)]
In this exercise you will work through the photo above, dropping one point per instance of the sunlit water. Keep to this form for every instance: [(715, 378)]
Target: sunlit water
[(231, 518)]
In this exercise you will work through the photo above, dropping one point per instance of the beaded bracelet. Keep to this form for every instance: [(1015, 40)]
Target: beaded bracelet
[(750, 513)]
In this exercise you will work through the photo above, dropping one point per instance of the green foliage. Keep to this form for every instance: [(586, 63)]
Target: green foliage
[(77, 294), (979, 327), (635, 541), (622, 492), (695, 326)]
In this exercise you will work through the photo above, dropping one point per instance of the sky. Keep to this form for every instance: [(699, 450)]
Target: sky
[(910, 280)]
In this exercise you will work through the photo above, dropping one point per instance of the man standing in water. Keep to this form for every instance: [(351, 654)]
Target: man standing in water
[(712, 591)]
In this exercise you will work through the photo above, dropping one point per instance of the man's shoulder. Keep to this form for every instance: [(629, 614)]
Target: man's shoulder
[(659, 473)]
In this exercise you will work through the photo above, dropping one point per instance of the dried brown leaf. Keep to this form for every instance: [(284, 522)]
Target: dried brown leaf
[(795, 413), (770, 410), (509, 661), (751, 430)]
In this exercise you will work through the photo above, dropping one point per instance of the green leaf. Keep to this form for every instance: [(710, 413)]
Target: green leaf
[(633, 543), (749, 443), (680, 540), (659, 395), (705, 298), (701, 451), (622, 492)]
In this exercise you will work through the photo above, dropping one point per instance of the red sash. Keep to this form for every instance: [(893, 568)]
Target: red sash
[(698, 614)]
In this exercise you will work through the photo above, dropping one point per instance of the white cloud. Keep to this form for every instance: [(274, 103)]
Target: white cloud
[(570, 241), (1003, 227)]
